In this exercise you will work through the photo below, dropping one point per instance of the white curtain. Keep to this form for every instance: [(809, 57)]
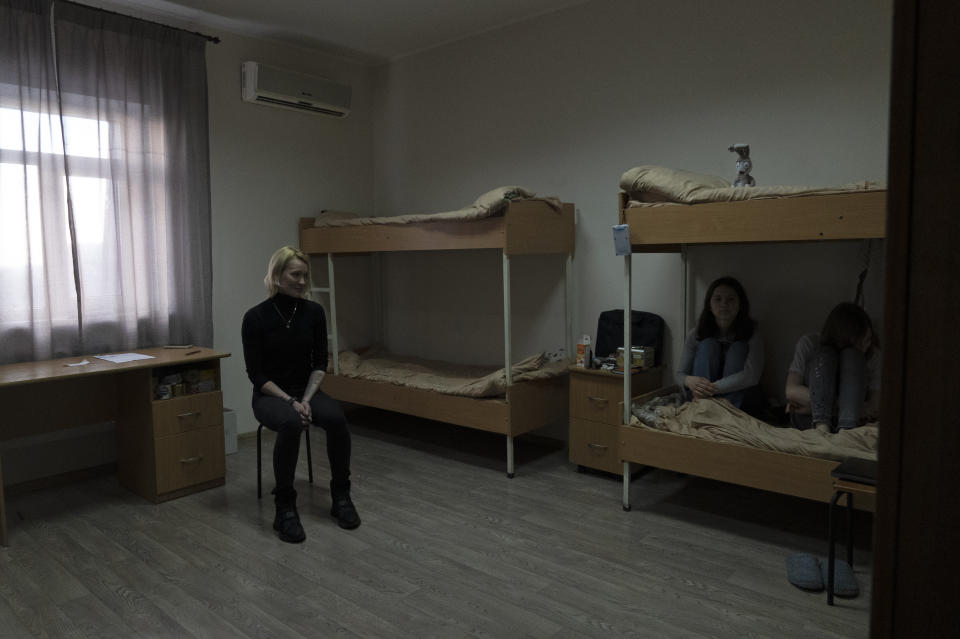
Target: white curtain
[(104, 183)]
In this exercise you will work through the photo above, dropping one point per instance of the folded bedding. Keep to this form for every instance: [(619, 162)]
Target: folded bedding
[(718, 420), (489, 204), (444, 377), (658, 186)]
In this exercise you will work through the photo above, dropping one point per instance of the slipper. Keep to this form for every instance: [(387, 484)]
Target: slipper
[(803, 571), (844, 582)]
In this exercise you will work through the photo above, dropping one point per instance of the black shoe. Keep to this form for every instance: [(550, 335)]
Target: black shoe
[(287, 523), (345, 513)]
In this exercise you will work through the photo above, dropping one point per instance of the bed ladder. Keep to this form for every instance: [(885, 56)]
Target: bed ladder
[(332, 333)]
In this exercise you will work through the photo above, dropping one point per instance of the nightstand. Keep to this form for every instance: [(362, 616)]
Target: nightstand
[(596, 412)]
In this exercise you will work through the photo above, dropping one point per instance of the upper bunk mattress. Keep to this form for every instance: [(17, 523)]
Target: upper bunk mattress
[(660, 186), (718, 420), (444, 377), (490, 204)]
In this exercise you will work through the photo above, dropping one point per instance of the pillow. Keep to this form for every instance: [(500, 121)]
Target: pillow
[(496, 197), (660, 184)]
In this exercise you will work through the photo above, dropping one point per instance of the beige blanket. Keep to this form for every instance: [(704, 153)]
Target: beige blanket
[(657, 185), (489, 204), (444, 377), (718, 420)]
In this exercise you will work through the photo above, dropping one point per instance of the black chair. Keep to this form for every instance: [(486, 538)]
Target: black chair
[(306, 434), (852, 476)]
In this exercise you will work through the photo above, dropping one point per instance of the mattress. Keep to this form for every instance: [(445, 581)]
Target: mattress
[(660, 186), (718, 420), (491, 203), (444, 377)]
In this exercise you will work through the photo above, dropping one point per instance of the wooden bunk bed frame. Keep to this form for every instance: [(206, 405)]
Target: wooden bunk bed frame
[(839, 216), (526, 227)]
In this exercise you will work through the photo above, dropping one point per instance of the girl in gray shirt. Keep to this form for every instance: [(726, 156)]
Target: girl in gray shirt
[(723, 355), (834, 379)]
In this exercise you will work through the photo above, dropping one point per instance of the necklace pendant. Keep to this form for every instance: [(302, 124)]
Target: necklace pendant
[(287, 322)]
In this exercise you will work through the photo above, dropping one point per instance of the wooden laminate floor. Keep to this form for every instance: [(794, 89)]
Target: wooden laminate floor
[(449, 547)]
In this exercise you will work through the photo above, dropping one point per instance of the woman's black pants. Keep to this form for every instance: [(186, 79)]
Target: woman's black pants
[(282, 418)]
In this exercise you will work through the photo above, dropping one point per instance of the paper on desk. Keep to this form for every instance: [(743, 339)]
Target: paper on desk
[(80, 363), (120, 358)]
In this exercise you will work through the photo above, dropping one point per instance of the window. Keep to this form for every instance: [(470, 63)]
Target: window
[(104, 183), (22, 248)]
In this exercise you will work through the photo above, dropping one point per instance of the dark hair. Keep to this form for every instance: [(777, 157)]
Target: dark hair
[(742, 327), (846, 325)]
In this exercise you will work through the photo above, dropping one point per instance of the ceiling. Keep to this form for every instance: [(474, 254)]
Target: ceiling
[(370, 31)]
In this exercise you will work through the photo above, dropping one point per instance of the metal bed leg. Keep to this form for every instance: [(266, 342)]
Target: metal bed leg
[(626, 486), (507, 336), (627, 336), (335, 335), (568, 348), (510, 456)]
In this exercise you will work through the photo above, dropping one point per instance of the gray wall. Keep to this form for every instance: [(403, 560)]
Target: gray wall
[(565, 103), (269, 167)]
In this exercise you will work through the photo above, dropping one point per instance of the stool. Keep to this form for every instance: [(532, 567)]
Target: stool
[(306, 435), (853, 476)]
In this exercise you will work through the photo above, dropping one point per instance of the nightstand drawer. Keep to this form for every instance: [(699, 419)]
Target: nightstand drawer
[(595, 445), (189, 412), (190, 458), (598, 395), (596, 398)]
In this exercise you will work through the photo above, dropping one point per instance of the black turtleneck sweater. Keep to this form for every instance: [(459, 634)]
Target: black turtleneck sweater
[(280, 353)]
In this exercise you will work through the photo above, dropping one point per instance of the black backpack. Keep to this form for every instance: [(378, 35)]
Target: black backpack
[(647, 330)]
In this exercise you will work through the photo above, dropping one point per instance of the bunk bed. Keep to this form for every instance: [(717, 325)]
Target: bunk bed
[(692, 217), (511, 221)]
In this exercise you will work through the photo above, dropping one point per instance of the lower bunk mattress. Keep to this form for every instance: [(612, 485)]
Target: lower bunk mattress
[(717, 420), (444, 377), (711, 438), (472, 396)]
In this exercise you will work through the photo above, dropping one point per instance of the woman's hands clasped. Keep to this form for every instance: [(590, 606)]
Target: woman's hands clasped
[(700, 386), (303, 409)]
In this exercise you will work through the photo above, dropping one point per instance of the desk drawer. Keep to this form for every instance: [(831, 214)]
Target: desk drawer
[(189, 412), (190, 458), (595, 445)]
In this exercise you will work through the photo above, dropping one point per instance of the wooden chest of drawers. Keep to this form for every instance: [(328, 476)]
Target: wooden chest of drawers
[(596, 412), (169, 447)]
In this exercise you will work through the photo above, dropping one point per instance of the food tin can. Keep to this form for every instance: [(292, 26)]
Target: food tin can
[(640, 357)]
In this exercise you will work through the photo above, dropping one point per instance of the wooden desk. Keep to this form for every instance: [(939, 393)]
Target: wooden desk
[(165, 448)]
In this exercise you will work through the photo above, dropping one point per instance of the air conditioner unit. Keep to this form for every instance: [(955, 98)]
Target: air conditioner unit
[(286, 89)]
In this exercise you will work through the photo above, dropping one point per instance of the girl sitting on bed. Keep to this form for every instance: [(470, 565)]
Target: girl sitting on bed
[(723, 355), (834, 378)]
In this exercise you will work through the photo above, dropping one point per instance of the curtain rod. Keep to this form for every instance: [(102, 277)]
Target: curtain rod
[(209, 38)]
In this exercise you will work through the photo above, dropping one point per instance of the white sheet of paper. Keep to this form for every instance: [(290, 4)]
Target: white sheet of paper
[(120, 358)]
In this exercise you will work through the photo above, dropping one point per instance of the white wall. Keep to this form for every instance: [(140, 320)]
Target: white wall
[(269, 167), (565, 103)]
